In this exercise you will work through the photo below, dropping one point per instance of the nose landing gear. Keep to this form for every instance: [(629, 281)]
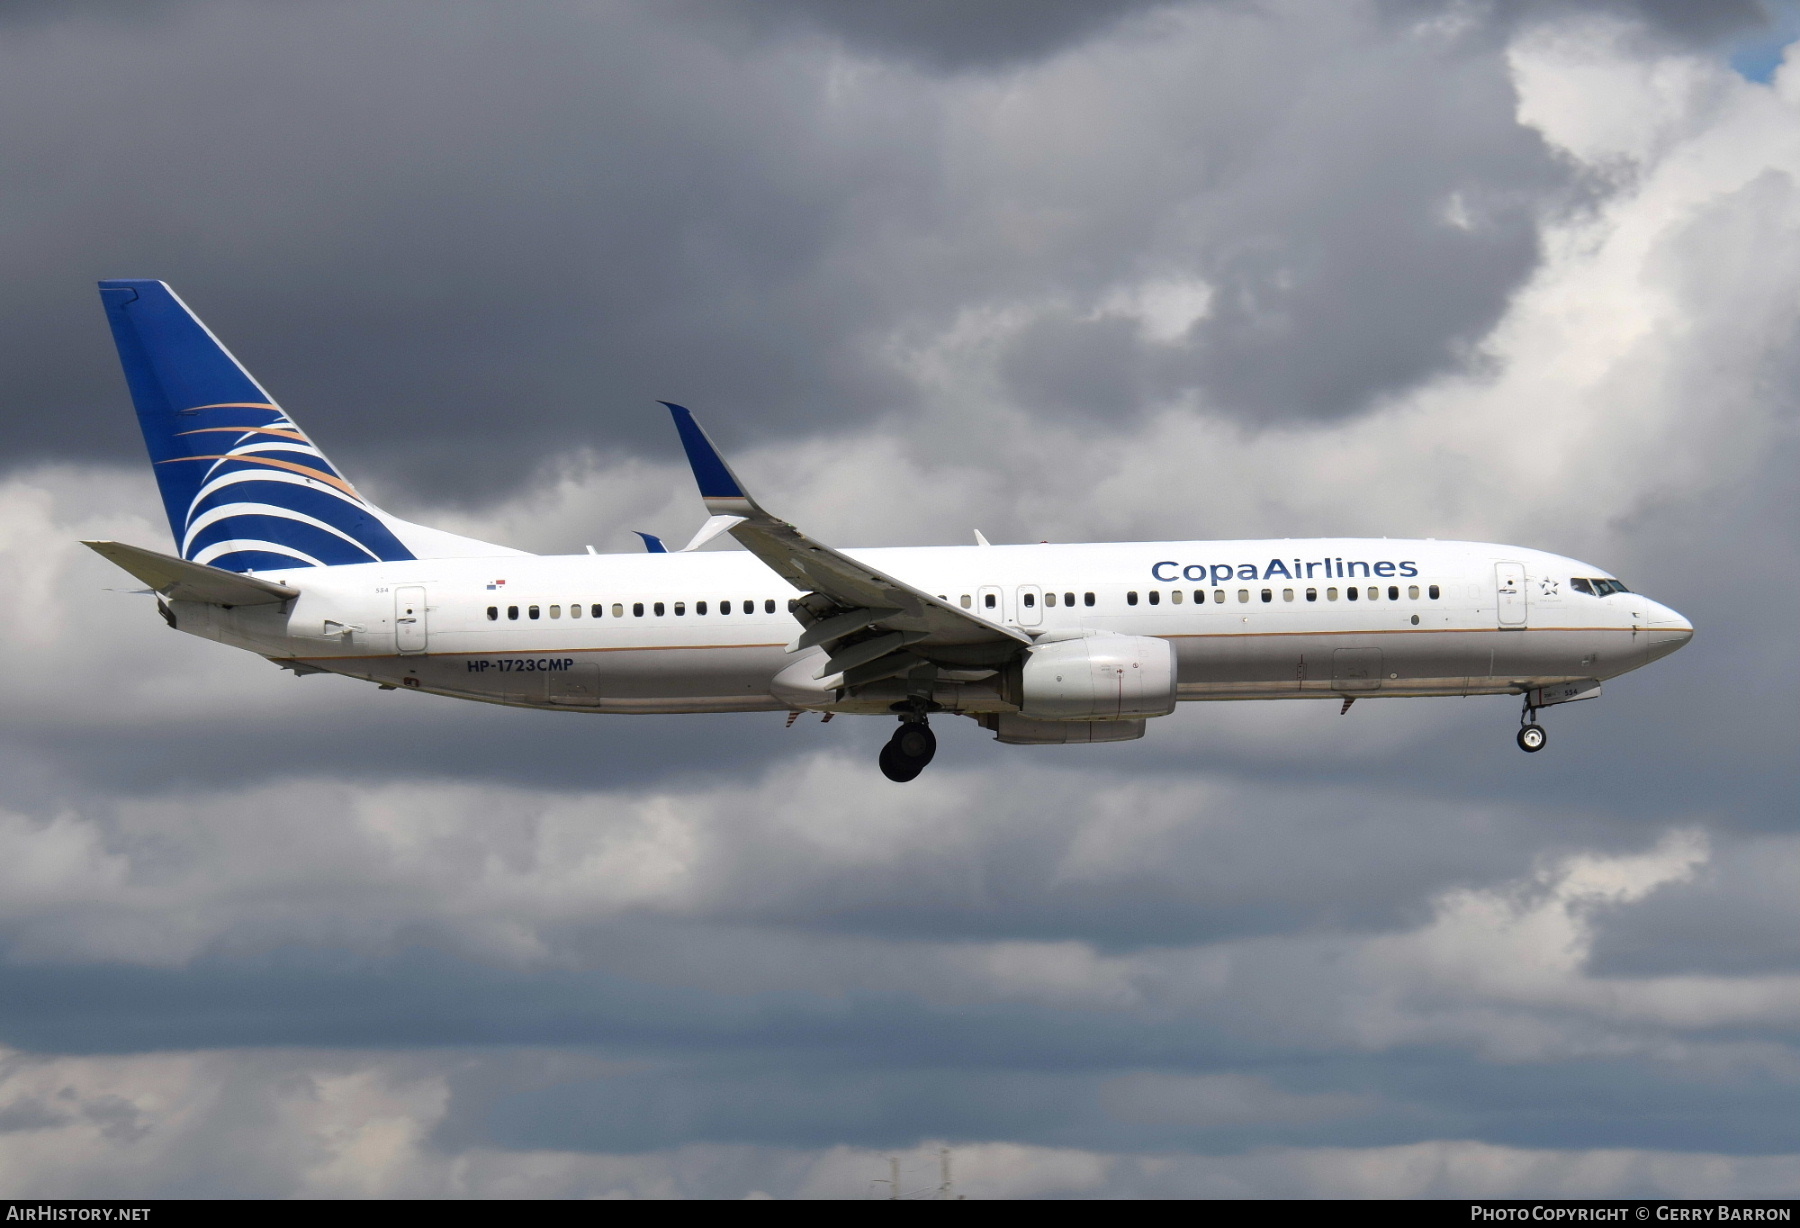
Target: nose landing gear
[(909, 750)]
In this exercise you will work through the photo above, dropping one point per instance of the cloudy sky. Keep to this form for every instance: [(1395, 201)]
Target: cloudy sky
[(1056, 269)]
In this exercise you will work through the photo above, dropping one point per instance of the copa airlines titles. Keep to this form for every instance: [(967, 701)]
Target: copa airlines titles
[(1169, 570)]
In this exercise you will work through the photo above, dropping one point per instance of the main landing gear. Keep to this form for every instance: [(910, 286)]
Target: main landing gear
[(1532, 736), (909, 750)]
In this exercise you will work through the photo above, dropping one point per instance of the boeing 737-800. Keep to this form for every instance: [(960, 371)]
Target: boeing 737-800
[(277, 553)]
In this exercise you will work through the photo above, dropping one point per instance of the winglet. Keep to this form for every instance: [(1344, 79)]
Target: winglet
[(719, 488), (652, 543)]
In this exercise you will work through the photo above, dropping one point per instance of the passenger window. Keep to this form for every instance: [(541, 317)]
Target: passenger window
[(637, 609), (512, 611), (1312, 594), (724, 607), (598, 609), (657, 609), (1331, 594), (1412, 591), (1267, 596), (1069, 599), (493, 612), (1243, 595), (967, 601), (1174, 596), (1030, 601), (1351, 594), (988, 600), (1393, 592), (1087, 599), (699, 607), (555, 611), (1287, 594), (1131, 597), (1199, 596), (1374, 593), (1432, 592), (531, 612), (1155, 597), (1050, 600), (574, 611), (769, 606)]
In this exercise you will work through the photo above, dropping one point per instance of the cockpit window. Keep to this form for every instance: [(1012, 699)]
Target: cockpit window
[(1597, 587)]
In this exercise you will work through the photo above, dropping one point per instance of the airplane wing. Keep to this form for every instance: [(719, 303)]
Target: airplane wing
[(180, 580), (872, 625)]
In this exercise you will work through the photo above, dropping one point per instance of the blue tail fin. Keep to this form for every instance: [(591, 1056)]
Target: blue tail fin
[(244, 488)]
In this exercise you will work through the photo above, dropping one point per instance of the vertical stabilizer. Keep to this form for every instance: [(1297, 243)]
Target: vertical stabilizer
[(245, 489)]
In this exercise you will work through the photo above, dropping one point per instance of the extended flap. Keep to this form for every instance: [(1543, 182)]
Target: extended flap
[(180, 580)]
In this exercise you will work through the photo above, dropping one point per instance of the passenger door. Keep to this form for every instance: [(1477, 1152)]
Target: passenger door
[(409, 620), (1509, 594)]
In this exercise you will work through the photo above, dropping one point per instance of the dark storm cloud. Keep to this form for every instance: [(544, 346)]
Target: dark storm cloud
[(941, 34), (434, 232), (1351, 251), (1691, 22), (1682, 19), (457, 240), (646, 1065)]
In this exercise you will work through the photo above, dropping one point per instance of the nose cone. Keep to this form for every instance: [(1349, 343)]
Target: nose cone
[(1664, 629)]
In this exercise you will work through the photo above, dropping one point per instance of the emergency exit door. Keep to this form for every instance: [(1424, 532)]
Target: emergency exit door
[(1030, 608)]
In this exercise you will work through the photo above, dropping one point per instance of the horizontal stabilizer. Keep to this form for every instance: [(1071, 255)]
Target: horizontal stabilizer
[(180, 580)]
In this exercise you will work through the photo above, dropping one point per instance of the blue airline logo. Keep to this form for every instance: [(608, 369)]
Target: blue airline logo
[(1169, 570), (266, 497)]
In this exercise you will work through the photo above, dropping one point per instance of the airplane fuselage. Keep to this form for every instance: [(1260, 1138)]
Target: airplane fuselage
[(709, 631)]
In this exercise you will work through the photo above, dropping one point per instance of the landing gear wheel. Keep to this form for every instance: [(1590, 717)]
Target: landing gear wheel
[(916, 742), (907, 752), (1532, 738)]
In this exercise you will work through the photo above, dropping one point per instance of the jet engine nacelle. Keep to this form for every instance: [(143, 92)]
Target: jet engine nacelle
[(1096, 678)]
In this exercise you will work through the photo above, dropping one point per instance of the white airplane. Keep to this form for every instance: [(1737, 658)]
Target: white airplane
[(1048, 644)]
